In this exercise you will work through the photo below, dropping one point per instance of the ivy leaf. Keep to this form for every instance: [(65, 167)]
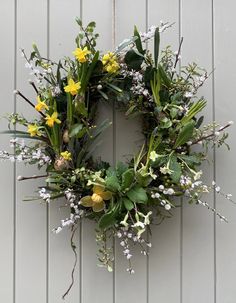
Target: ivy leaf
[(128, 204), (112, 183), (185, 134), (127, 179), (137, 195), (175, 167)]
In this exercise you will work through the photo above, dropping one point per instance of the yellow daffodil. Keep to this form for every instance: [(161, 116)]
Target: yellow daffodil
[(110, 63), (33, 130), (72, 87), (40, 105), (96, 201), (66, 155), (50, 120), (80, 54)]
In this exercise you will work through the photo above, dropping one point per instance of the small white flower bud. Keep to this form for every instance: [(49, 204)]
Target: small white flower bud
[(217, 189), (99, 87), (231, 122), (167, 207), (15, 92), (19, 178), (217, 134)]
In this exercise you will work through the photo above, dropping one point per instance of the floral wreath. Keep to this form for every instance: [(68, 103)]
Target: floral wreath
[(126, 199)]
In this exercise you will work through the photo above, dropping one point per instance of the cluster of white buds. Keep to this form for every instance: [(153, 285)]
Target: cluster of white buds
[(44, 195), (138, 86), (128, 236)]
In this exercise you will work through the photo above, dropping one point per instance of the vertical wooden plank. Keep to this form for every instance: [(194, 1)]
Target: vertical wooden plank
[(198, 222), (31, 216), (7, 10), (225, 78), (165, 257), (97, 283), (62, 33), (128, 141)]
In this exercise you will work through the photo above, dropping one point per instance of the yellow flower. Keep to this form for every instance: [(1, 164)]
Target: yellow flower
[(110, 63), (80, 54), (66, 155), (52, 119), (72, 87), (33, 129), (96, 201), (41, 105)]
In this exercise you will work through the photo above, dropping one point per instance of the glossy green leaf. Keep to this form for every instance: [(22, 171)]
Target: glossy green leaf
[(109, 218), (133, 59), (129, 205)]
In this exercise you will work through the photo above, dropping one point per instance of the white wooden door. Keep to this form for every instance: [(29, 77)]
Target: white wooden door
[(193, 255)]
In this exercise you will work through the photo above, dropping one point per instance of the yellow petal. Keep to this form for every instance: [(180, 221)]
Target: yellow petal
[(106, 195), (98, 206), (87, 201), (98, 189)]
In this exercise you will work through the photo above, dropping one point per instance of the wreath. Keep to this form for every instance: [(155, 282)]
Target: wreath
[(124, 200)]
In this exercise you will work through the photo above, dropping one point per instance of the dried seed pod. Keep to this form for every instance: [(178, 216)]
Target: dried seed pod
[(61, 164), (66, 137)]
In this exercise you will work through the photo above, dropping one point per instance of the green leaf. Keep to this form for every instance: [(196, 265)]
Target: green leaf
[(191, 160), (176, 169), (127, 179), (137, 194), (121, 167), (90, 70), (138, 41), (133, 59), (124, 44), (165, 79), (75, 129), (103, 95), (114, 87), (156, 45), (109, 218), (81, 108), (112, 183), (193, 111), (185, 134), (128, 204)]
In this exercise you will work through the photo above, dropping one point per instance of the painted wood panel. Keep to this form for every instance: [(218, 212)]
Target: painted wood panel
[(225, 62), (7, 171), (192, 258), (31, 20), (198, 222)]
